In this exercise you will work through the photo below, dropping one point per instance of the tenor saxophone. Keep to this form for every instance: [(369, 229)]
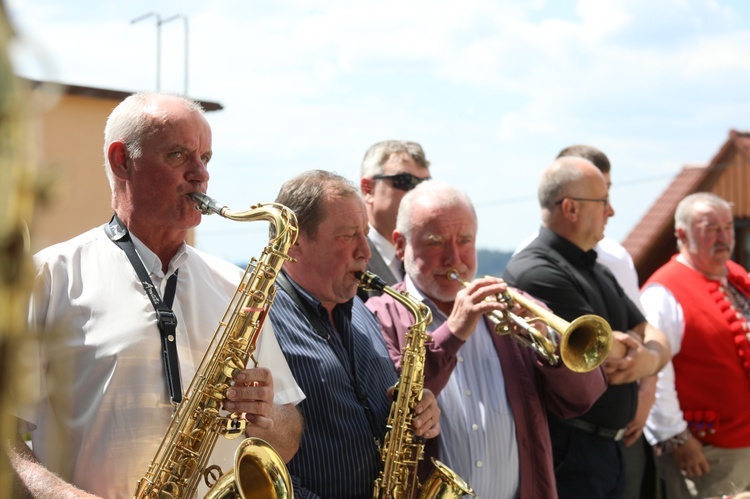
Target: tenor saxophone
[(402, 450), (198, 421)]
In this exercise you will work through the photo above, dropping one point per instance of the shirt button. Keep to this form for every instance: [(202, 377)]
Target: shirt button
[(468, 393), (460, 359), (475, 427), (480, 464)]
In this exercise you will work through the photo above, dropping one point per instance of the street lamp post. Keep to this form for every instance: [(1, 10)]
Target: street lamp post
[(158, 43), (185, 25), (159, 22)]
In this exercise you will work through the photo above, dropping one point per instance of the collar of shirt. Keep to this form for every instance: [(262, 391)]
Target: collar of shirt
[(340, 310), (571, 252), (438, 317), (386, 249), (152, 262)]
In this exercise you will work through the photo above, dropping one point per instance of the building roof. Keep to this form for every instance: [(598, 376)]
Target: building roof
[(103, 93), (660, 217)]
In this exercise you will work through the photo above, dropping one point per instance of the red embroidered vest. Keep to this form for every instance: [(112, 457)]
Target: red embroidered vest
[(712, 369)]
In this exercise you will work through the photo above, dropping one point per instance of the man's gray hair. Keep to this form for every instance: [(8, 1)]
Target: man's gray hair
[(441, 194), (132, 121), (557, 179), (683, 214), (377, 156)]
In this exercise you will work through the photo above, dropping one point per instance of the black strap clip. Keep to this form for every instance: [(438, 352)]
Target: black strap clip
[(167, 317)]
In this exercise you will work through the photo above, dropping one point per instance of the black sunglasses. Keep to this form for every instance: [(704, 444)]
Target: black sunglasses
[(402, 181)]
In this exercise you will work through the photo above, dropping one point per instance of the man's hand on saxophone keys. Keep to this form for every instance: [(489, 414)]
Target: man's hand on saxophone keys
[(252, 395), (426, 422)]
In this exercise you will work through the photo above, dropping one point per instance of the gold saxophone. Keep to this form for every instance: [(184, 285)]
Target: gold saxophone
[(402, 450), (197, 423)]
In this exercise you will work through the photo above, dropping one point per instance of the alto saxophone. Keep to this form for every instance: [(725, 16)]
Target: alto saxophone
[(198, 422), (402, 450)]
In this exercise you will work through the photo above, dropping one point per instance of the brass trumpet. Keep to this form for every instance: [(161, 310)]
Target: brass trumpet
[(584, 343)]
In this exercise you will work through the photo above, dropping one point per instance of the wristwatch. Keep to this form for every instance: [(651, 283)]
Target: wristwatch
[(670, 444)]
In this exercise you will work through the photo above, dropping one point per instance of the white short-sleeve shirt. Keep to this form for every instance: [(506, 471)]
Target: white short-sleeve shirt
[(103, 406)]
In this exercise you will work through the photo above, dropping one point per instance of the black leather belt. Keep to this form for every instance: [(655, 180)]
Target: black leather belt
[(594, 429)]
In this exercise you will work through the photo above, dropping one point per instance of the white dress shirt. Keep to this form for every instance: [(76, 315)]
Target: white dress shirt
[(103, 404)]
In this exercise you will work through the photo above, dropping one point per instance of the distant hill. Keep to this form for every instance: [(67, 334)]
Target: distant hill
[(492, 262)]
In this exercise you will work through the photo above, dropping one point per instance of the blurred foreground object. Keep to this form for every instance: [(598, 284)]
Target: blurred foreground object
[(18, 196)]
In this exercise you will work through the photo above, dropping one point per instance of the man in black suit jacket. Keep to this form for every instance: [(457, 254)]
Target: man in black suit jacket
[(390, 169)]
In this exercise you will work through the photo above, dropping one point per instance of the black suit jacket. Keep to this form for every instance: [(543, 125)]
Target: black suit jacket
[(377, 266)]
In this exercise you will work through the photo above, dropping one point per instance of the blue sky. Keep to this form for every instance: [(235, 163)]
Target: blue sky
[(492, 89)]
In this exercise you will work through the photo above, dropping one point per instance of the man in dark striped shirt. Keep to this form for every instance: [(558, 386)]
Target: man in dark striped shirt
[(333, 343)]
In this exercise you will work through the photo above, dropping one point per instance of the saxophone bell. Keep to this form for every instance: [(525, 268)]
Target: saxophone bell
[(259, 472), (444, 483)]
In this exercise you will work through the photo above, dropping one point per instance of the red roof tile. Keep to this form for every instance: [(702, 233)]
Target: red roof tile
[(660, 217)]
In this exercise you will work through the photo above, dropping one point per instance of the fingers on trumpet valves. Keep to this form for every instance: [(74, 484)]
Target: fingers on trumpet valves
[(490, 290)]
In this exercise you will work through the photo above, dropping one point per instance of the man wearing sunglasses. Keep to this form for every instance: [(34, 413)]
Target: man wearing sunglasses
[(390, 169)]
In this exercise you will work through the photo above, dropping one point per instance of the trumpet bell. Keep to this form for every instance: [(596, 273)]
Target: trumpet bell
[(586, 343)]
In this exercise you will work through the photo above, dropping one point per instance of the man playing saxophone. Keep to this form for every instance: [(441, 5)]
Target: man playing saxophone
[(492, 391), (333, 344), (107, 393)]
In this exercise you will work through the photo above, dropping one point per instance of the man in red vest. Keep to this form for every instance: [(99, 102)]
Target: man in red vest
[(700, 423)]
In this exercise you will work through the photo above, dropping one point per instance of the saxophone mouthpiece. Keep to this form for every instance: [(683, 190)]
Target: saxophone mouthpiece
[(205, 204), (369, 281)]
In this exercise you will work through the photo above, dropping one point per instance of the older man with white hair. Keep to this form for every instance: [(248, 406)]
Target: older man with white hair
[(700, 423)]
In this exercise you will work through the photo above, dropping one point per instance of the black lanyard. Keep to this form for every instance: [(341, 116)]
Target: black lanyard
[(119, 235)]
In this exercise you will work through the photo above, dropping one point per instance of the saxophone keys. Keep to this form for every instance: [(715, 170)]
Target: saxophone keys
[(235, 426)]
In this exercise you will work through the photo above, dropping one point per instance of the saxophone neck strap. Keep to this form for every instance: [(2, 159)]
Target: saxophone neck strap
[(167, 320)]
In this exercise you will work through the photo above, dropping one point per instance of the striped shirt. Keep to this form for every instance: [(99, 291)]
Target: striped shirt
[(345, 382), (478, 432), (478, 438)]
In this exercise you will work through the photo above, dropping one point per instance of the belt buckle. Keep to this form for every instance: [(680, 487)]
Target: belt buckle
[(620, 434)]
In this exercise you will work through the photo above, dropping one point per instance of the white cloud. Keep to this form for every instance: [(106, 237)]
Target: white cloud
[(492, 89)]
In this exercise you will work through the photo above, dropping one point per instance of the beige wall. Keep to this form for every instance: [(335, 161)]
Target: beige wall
[(72, 135)]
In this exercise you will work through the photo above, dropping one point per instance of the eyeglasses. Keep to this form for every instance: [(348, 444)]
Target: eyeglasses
[(604, 201), (402, 181)]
